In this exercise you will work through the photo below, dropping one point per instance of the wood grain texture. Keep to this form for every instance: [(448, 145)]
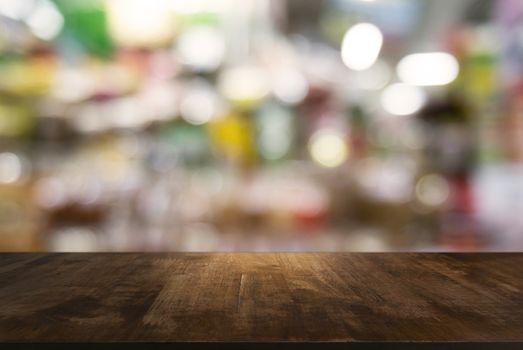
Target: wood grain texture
[(263, 297)]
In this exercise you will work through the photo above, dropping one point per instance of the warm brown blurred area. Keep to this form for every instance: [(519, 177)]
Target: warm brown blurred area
[(226, 125)]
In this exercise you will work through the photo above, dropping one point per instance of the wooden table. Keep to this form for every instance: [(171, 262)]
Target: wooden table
[(248, 300)]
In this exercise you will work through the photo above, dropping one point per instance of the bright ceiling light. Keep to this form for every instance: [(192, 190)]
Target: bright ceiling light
[(402, 99), (361, 46), (428, 69), (328, 148)]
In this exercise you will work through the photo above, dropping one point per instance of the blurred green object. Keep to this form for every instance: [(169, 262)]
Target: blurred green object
[(190, 141), (86, 24), (275, 137), (16, 119)]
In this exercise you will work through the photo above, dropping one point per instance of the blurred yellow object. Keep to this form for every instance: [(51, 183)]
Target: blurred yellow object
[(480, 76), (27, 77), (233, 136), (15, 120)]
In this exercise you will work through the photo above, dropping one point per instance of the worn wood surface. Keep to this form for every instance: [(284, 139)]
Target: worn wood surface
[(260, 297)]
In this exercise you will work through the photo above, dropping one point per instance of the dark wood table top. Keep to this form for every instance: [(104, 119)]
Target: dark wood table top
[(265, 297)]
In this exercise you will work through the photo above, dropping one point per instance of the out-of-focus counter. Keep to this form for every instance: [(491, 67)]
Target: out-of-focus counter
[(242, 300)]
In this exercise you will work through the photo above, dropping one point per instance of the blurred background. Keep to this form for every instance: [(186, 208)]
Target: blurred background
[(261, 125)]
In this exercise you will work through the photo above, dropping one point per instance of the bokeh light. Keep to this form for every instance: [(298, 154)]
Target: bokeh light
[(10, 167), (428, 69), (134, 125), (432, 190), (328, 148), (402, 99), (361, 46)]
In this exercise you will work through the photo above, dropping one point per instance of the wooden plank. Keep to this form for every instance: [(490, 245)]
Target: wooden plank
[(265, 297)]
